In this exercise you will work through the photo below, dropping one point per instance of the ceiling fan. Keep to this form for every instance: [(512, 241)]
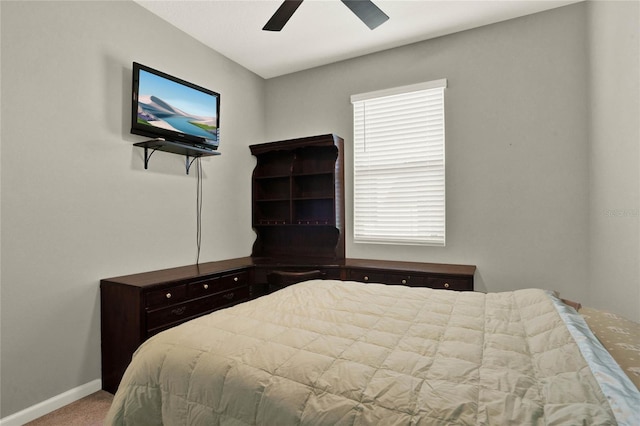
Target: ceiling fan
[(368, 13)]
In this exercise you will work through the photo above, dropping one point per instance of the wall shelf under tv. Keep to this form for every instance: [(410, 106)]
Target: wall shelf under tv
[(189, 151)]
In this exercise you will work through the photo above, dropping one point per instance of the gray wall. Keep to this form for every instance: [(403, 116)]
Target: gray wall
[(517, 143), (615, 156), (77, 204), (531, 154)]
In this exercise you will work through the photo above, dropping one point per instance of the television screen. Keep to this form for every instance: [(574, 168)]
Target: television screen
[(176, 110)]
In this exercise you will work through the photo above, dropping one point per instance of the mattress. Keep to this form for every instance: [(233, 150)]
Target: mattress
[(331, 353)]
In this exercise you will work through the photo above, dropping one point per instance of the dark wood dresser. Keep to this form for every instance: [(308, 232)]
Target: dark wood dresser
[(135, 307), (412, 274)]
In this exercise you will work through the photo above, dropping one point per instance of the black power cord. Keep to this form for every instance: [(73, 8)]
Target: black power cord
[(198, 208)]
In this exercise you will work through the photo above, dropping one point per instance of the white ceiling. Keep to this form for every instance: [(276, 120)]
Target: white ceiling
[(326, 31)]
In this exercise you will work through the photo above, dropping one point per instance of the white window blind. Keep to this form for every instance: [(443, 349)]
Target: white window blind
[(399, 165)]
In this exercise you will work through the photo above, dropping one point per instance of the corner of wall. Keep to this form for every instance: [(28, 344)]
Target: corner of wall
[(614, 155)]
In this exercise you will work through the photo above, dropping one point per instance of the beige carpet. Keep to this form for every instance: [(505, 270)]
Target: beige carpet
[(88, 411)]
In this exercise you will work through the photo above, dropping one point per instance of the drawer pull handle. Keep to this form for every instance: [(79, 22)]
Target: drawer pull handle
[(168, 295), (205, 286), (228, 296), (235, 279), (366, 278), (404, 281), (446, 285), (179, 311)]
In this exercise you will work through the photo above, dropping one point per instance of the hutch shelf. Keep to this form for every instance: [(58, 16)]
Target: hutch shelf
[(298, 192)]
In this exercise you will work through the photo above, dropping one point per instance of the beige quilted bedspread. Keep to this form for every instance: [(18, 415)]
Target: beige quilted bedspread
[(333, 353)]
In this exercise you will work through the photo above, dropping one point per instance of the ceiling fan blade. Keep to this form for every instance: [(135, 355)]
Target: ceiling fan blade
[(368, 12), (282, 15)]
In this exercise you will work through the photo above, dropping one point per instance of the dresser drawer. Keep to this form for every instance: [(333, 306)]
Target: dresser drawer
[(166, 296), (217, 284), (202, 288), (401, 279), (175, 314), (229, 281), (371, 276), (232, 297), (450, 283), (366, 276)]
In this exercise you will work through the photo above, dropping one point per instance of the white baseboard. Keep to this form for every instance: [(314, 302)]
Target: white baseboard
[(51, 404)]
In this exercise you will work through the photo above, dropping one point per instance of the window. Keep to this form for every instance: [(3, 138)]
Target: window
[(399, 165)]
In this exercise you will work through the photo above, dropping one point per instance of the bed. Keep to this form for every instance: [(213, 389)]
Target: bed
[(619, 336), (327, 352)]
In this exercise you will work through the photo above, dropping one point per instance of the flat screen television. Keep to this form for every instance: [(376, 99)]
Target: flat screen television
[(173, 109)]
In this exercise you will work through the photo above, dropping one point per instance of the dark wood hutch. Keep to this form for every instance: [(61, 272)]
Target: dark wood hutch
[(298, 198), (298, 217)]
